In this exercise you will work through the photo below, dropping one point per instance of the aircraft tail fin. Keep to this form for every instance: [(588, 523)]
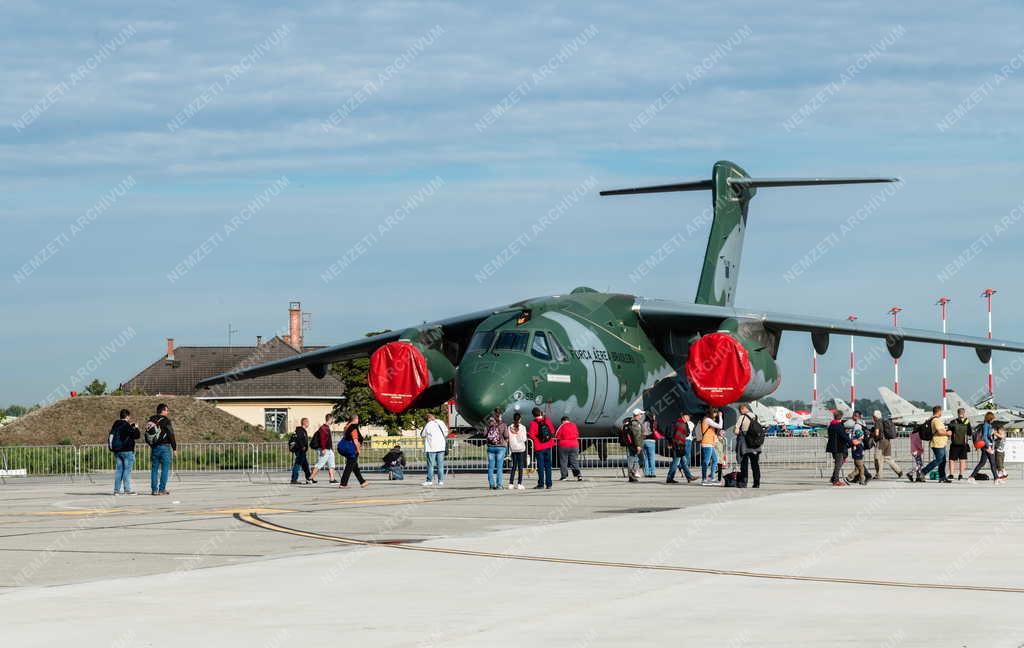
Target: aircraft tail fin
[(899, 406), (956, 402), (731, 190), (820, 414), (844, 410)]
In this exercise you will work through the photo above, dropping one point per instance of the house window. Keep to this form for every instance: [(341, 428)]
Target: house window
[(275, 420)]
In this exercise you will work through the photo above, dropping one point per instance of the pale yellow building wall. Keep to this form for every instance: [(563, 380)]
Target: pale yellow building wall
[(252, 412)]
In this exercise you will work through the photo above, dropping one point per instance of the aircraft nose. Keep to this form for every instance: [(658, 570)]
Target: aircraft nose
[(483, 384)]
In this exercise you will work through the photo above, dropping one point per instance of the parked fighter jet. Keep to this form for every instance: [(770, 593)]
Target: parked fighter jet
[(1010, 417), (596, 356), (821, 416)]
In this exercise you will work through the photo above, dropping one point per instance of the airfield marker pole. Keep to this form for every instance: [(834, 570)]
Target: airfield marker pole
[(814, 376), (853, 389), (987, 294), (943, 301), (895, 361)]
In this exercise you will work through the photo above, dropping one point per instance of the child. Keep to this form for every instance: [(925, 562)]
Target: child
[(999, 441), (857, 453), (916, 453)]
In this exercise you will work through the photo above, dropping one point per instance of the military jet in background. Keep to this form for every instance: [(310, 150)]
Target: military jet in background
[(596, 356), (1010, 417), (821, 416)]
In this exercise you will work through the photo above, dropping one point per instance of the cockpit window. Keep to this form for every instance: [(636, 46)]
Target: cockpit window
[(512, 340), (481, 341), (556, 347), (539, 348)]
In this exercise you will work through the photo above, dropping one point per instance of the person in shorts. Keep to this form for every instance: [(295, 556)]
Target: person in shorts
[(960, 429), (322, 443)]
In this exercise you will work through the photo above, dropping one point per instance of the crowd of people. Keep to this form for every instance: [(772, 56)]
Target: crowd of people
[(851, 444), (950, 444)]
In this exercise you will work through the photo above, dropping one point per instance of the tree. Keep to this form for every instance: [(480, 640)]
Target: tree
[(16, 410), (359, 399), (97, 387)]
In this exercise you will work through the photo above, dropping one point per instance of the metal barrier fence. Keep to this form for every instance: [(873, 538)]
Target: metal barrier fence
[(463, 455)]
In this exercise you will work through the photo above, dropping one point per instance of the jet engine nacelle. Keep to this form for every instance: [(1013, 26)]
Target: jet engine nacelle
[(411, 370), (726, 367)]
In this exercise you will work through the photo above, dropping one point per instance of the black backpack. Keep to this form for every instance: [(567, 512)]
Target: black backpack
[(869, 441), (888, 429), (924, 430), (754, 436), (314, 442), (543, 432), (116, 440), (293, 442), (625, 440)]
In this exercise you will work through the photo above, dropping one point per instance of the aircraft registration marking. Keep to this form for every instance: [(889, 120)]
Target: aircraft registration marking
[(559, 378)]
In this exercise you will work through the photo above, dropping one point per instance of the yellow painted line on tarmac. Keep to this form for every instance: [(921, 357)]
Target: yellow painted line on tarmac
[(236, 511), (379, 501), (254, 519), (71, 513)]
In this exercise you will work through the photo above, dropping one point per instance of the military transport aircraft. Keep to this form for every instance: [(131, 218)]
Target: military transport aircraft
[(596, 356)]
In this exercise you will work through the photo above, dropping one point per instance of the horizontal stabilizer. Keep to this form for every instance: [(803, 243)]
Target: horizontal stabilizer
[(696, 185), (803, 182)]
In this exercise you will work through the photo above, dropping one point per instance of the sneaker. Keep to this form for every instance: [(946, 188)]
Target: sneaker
[(313, 480), (691, 479), (970, 480), (425, 484), (538, 487), (294, 482), (334, 481), (960, 478), (364, 484), (920, 479), (910, 476), (580, 477), (511, 486), (520, 487), (563, 478), (134, 493), (164, 493), (671, 481), (440, 483)]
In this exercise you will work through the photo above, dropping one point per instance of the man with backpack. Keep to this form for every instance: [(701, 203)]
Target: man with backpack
[(542, 433), (322, 443), (935, 433), (160, 437), (960, 431), (861, 442), (837, 445), (749, 439), (298, 443), (882, 433), (632, 438), (121, 442), (681, 442)]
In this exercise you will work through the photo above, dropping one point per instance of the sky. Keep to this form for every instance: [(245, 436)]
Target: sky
[(173, 169)]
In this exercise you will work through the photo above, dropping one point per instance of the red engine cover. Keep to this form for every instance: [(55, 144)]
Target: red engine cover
[(718, 368), (398, 374)]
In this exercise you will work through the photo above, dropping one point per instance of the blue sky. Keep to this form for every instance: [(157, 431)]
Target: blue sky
[(267, 79)]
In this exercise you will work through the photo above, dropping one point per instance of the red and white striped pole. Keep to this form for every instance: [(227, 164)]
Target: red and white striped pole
[(895, 361), (814, 377), (944, 302), (987, 294), (853, 389)]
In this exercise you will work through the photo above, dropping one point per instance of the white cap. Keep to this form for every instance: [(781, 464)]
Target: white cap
[(637, 412), (877, 414)]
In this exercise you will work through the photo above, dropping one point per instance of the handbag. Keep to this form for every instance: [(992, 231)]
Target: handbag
[(347, 448)]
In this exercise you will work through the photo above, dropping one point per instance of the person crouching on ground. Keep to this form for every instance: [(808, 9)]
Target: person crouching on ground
[(121, 442), (517, 447), (837, 445), (568, 437), (542, 433), (710, 430), (394, 463)]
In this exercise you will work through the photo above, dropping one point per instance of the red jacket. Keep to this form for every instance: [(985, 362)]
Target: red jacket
[(568, 435), (537, 445)]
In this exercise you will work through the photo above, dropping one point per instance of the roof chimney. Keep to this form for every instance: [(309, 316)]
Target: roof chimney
[(170, 350), (295, 325)]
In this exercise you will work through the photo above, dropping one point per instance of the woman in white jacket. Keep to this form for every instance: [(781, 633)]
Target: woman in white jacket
[(517, 447), (435, 442)]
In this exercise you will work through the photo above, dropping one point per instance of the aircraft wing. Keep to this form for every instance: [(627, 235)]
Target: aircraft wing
[(673, 314), (318, 361)]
